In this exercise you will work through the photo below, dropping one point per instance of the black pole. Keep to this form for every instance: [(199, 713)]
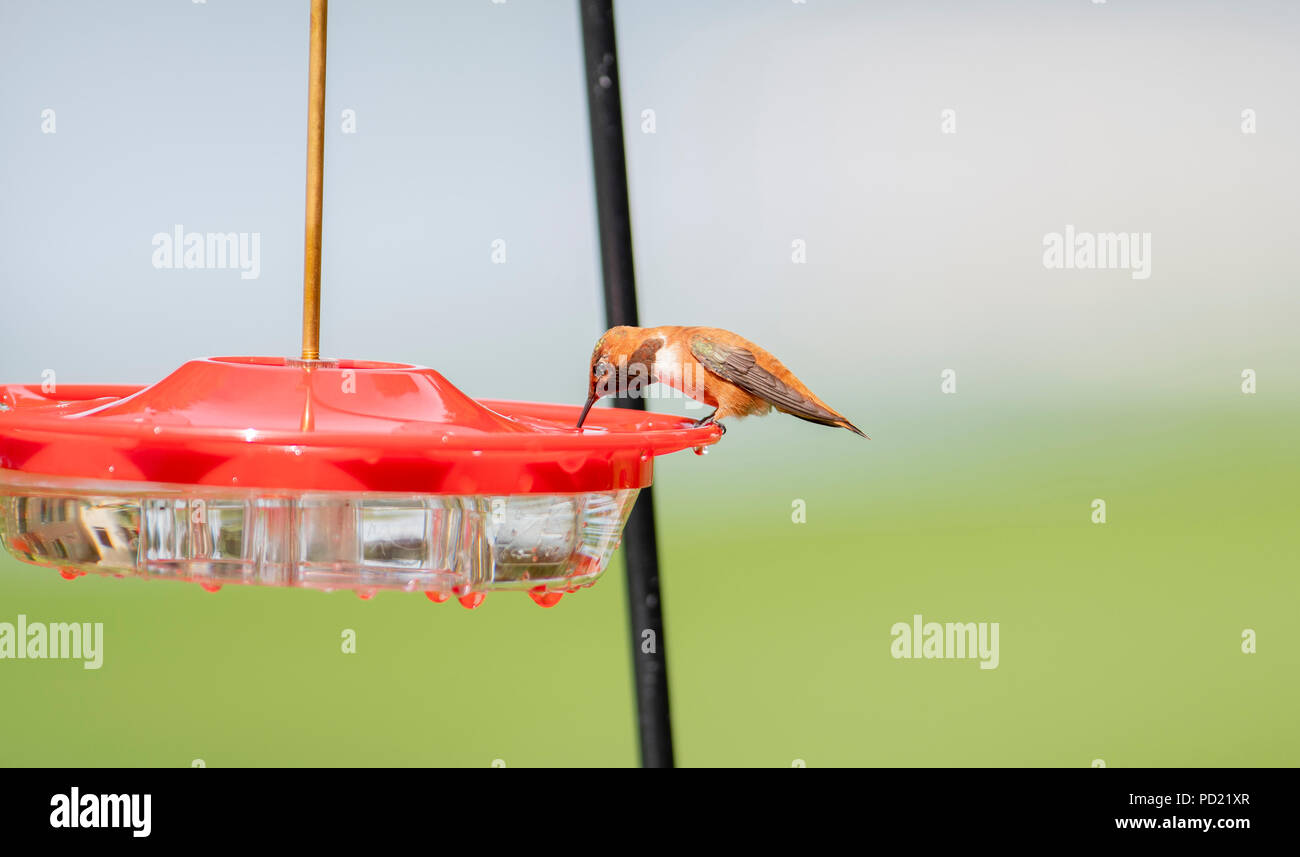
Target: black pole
[(640, 551)]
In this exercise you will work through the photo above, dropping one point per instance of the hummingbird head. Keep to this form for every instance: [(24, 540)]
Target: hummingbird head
[(609, 372)]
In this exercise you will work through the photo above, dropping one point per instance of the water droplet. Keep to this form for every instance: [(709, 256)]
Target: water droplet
[(157, 429), (436, 597), (474, 599), (211, 587), (70, 573), (365, 594), (544, 598)]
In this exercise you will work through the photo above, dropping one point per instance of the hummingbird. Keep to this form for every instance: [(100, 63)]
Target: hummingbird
[(711, 365)]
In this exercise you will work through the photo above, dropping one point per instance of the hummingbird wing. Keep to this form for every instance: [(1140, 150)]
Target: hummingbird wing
[(738, 365)]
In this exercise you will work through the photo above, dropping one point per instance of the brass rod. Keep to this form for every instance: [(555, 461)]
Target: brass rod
[(315, 180)]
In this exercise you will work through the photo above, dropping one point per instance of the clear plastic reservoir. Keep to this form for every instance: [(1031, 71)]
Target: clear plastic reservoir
[(437, 543)]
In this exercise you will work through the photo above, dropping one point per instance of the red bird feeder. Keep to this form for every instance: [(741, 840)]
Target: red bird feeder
[(324, 474)]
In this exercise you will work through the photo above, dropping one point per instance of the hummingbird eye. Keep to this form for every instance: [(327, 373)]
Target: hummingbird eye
[(602, 369)]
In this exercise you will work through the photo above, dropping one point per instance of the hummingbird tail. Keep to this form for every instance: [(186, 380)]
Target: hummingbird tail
[(837, 422), (851, 427)]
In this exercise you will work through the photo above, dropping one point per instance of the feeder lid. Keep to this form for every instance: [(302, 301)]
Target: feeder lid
[(329, 425)]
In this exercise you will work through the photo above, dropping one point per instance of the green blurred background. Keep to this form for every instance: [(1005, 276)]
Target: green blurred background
[(773, 122), (1119, 641)]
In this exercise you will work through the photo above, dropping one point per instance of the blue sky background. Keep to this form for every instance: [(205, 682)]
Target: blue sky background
[(774, 121)]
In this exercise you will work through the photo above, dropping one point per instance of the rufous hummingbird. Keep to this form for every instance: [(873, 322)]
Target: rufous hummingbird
[(714, 366)]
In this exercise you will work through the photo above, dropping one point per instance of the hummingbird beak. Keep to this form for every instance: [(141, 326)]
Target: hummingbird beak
[(590, 401)]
